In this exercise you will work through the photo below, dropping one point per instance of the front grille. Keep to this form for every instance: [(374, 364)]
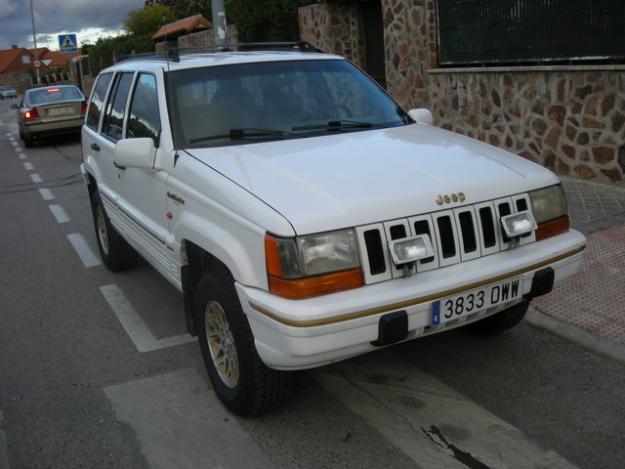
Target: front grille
[(375, 251), (457, 235)]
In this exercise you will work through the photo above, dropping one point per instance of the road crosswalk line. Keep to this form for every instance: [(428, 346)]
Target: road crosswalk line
[(180, 423), (430, 422)]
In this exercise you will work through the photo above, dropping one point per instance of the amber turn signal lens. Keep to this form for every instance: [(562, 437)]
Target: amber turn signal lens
[(272, 257), (308, 287), (553, 228)]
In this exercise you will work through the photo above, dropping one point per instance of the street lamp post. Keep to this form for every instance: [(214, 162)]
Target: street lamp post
[(220, 26), (32, 19)]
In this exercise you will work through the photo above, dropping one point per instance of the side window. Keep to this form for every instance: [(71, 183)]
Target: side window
[(97, 98), (144, 119), (114, 116)]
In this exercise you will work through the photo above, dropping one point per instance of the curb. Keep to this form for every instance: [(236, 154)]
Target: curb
[(576, 336)]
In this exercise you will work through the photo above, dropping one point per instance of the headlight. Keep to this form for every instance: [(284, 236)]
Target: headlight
[(313, 265), (548, 204), (328, 252)]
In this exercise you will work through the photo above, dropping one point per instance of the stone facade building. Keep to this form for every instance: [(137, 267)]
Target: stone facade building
[(570, 118)]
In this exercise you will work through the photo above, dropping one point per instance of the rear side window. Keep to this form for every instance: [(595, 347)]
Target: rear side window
[(113, 123), (144, 119), (97, 100)]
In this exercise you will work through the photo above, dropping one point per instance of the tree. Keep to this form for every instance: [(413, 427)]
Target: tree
[(148, 19), (265, 20), (184, 8)]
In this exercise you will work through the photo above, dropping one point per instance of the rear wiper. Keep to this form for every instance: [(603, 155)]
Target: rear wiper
[(340, 124), (242, 134)]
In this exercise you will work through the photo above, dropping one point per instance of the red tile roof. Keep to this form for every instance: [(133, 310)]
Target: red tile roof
[(10, 60), (185, 25)]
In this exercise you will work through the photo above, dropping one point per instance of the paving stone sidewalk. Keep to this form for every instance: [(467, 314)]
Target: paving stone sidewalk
[(594, 300)]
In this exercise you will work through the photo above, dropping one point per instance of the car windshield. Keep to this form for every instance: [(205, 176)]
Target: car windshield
[(51, 95), (252, 102)]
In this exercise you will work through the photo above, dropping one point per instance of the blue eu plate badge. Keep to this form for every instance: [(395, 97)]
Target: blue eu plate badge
[(436, 313)]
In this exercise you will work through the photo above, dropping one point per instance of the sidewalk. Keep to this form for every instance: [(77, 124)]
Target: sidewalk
[(589, 309)]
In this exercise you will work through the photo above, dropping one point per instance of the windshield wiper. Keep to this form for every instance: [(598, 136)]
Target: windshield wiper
[(334, 125), (242, 134)]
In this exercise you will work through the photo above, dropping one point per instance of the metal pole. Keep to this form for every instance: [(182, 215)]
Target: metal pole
[(220, 26), (32, 19)]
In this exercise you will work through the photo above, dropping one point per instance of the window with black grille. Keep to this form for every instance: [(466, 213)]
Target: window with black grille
[(498, 32)]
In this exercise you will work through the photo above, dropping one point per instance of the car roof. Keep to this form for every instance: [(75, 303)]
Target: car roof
[(208, 59)]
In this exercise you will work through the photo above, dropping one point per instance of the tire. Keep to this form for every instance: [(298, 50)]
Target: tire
[(115, 251), (500, 322), (247, 386), (28, 141)]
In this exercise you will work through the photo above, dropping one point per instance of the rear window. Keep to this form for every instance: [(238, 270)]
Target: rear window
[(54, 95)]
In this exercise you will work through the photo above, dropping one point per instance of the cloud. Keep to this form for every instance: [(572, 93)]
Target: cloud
[(6, 8), (89, 18)]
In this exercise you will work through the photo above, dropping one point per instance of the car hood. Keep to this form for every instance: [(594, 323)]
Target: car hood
[(356, 178)]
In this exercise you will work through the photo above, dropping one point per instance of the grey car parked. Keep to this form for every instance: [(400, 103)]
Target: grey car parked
[(7, 92), (50, 110)]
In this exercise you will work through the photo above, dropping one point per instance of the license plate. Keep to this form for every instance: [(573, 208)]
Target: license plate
[(60, 111), (453, 307)]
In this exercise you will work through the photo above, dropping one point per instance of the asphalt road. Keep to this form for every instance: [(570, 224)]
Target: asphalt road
[(96, 369)]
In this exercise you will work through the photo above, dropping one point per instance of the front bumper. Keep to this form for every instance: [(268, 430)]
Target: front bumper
[(297, 334)]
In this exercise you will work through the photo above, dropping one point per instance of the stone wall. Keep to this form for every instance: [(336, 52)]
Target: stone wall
[(199, 39), (335, 27), (570, 119)]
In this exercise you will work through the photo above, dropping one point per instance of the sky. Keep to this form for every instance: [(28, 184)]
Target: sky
[(90, 19)]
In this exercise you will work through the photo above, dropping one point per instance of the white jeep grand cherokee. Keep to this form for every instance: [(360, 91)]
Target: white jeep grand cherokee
[(306, 217)]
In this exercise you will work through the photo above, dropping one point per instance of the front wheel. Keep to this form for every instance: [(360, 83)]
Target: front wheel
[(500, 322), (240, 378)]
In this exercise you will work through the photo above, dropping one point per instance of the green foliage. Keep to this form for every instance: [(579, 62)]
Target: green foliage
[(183, 8), (265, 20), (103, 52), (148, 20)]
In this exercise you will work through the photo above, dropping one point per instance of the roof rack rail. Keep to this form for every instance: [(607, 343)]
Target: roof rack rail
[(142, 56), (174, 53)]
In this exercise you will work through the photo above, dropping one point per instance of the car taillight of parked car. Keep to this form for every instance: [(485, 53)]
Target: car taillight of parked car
[(30, 114), (83, 107)]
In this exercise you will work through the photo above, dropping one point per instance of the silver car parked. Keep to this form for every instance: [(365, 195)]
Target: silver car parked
[(7, 92), (50, 110)]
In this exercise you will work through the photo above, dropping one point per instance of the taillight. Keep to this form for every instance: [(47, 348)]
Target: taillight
[(83, 107), (31, 114)]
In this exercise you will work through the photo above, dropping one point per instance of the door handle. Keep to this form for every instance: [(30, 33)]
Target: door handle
[(95, 147)]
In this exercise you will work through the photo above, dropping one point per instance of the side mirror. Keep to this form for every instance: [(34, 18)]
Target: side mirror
[(135, 153), (14, 106), (422, 116)]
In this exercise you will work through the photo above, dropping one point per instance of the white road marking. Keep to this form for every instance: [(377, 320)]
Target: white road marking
[(46, 193), (430, 422), (137, 330), (88, 258), (19, 149), (29, 166), (59, 213), (14, 143), (172, 415), (9, 134), (36, 178), (22, 156), (4, 458)]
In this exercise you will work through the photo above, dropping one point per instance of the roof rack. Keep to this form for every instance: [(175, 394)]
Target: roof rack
[(174, 53)]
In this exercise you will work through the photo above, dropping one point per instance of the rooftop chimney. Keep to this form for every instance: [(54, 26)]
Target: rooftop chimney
[(13, 46)]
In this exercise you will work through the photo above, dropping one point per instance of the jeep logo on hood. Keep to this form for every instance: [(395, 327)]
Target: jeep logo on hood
[(447, 199)]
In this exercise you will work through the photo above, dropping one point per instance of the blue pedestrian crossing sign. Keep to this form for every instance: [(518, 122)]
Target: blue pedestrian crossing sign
[(68, 43)]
